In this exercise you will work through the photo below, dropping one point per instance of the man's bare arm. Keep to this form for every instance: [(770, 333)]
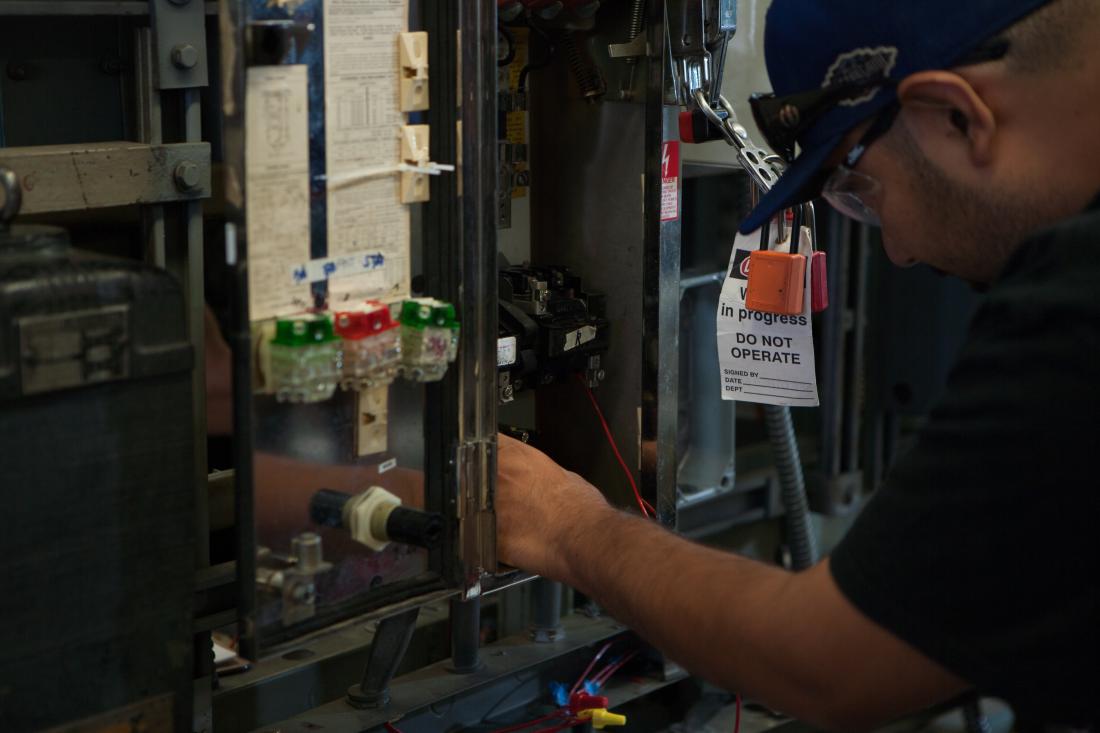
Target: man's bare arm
[(790, 640)]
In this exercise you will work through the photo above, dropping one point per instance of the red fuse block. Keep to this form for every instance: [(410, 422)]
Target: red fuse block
[(777, 283), (819, 283)]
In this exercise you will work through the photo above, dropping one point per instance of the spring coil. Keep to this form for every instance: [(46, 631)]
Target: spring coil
[(585, 72), (637, 18)]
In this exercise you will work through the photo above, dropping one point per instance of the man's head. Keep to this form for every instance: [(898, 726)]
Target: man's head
[(968, 146)]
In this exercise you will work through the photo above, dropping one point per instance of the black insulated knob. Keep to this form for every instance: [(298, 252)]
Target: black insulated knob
[(414, 527), (326, 508)]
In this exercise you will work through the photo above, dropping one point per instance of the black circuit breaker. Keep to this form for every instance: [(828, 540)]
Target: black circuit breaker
[(551, 330)]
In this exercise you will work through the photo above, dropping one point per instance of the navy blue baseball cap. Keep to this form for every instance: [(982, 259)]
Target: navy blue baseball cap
[(822, 44)]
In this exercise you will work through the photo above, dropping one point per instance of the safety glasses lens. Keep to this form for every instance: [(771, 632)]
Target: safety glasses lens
[(854, 194)]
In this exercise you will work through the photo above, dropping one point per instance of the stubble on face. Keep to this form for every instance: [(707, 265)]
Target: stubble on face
[(953, 227)]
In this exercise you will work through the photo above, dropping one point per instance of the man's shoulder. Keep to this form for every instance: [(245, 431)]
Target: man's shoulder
[(1051, 286), (1068, 251)]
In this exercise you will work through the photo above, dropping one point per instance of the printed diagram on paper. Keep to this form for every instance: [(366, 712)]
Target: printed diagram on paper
[(277, 187), (363, 121)]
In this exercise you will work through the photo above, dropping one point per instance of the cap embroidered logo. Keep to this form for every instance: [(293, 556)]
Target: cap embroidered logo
[(860, 65)]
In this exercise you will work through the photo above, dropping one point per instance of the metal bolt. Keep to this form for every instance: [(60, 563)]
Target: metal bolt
[(187, 176), (185, 56)]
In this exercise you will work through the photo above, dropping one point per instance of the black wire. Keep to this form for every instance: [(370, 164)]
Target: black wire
[(551, 50), (510, 38)]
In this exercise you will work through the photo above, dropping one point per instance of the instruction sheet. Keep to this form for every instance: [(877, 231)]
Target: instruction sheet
[(363, 122), (764, 357), (277, 188)]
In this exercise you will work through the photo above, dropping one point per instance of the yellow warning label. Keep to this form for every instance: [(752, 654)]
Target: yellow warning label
[(516, 120)]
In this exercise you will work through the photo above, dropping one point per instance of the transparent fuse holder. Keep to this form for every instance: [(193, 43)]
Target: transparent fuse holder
[(305, 360), (372, 346), (429, 339)]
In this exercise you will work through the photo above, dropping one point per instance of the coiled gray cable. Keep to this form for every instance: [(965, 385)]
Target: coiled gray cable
[(792, 482)]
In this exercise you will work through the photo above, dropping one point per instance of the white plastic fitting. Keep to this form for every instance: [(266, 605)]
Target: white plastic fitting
[(365, 517)]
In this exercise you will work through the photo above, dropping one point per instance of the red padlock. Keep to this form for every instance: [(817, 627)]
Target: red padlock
[(819, 282)]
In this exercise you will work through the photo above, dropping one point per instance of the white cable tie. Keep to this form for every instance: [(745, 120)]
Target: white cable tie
[(343, 180)]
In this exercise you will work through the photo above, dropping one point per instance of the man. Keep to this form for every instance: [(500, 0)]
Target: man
[(967, 128)]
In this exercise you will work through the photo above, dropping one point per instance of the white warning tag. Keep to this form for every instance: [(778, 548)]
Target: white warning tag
[(764, 357)]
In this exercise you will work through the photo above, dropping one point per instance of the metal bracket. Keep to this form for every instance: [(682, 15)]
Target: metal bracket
[(98, 175), (631, 49), (391, 641), (687, 37), (179, 34)]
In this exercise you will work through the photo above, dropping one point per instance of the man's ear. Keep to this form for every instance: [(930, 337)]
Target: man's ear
[(967, 112)]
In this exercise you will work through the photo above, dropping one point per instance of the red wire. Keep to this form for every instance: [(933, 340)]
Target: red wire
[(571, 723), (392, 728), (529, 723), (645, 506), (598, 657), (737, 720), (609, 671)]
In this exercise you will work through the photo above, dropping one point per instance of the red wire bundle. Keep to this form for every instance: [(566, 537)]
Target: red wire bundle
[(564, 719)]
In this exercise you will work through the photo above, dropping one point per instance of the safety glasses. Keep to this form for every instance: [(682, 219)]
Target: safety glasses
[(854, 194)]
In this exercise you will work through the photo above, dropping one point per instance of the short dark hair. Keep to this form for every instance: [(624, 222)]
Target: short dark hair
[(1050, 39)]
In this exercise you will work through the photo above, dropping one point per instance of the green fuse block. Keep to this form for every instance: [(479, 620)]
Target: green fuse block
[(306, 360), (429, 338)]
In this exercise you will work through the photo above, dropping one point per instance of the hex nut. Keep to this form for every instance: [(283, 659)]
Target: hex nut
[(185, 56), (187, 176)]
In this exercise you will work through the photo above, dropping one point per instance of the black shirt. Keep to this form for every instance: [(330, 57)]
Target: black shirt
[(982, 549)]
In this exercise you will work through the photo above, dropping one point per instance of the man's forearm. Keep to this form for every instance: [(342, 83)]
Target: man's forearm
[(783, 638), (702, 607)]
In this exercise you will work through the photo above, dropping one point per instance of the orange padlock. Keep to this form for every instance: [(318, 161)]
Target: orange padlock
[(777, 283)]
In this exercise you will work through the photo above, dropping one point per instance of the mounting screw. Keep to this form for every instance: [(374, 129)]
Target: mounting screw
[(185, 56), (187, 176)]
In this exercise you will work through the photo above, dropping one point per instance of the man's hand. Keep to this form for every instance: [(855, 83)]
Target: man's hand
[(539, 505)]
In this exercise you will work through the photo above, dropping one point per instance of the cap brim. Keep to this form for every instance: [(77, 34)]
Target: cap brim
[(794, 187)]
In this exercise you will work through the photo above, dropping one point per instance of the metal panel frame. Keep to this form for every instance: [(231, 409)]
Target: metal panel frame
[(460, 419), (80, 177), (478, 296), (85, 8), (179, 33), (613, 237)]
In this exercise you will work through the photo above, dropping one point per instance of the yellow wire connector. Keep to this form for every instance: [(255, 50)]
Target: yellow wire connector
[(601, 718)]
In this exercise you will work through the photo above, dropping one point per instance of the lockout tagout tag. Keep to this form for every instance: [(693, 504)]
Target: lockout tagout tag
[(764, 357)]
